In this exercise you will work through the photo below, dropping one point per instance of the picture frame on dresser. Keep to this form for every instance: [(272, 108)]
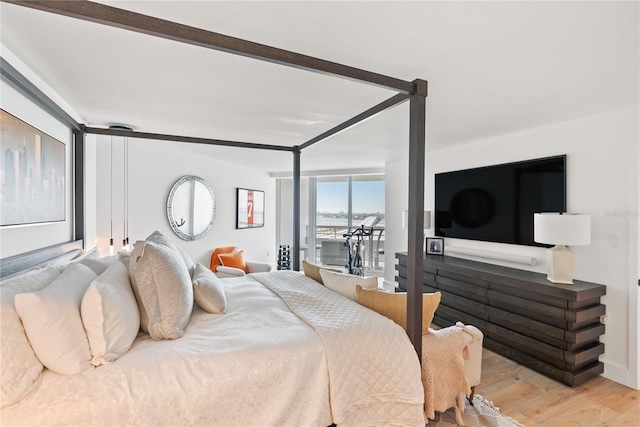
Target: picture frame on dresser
[(434, 246)]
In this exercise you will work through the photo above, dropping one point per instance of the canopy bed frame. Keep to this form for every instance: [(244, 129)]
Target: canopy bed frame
[(414, 91)]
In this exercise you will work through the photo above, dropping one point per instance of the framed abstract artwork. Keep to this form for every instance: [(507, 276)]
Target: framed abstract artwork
[(249, 208), (32, 174)]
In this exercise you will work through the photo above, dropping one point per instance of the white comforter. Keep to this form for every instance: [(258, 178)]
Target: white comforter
[(257, 365), (374, 373)]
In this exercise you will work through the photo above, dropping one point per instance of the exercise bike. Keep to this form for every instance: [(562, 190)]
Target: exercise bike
[(355, 265)]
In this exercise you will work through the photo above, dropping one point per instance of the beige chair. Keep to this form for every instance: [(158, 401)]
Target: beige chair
[(253, 267), (237, 267)]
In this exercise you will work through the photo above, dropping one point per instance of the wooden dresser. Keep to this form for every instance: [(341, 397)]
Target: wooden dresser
[(552, 328)]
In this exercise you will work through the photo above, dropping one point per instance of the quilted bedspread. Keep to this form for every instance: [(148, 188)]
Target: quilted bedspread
[(289, 353), (374, 372)]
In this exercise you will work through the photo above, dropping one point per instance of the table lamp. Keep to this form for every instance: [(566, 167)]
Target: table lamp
[(561, 229)]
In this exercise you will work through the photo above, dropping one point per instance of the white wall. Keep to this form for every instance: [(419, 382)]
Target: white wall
[(602, 174), (154, 166), (285, 213), (18, 239), (396, 199)]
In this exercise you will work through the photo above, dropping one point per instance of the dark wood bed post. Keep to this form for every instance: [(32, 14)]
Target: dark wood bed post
[(415, 256), (296, 208), (78, 184), (416, 90)]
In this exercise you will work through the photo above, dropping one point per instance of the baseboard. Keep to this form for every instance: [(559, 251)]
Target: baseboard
[(617, 373)]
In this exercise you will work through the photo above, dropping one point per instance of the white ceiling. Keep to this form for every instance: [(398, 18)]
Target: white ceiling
[(493, 68)]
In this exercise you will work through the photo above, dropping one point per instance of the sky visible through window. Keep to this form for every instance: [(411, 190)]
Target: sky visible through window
[(368, 197)]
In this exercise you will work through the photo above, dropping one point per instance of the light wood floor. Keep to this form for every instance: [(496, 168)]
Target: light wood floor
[(535, 400)]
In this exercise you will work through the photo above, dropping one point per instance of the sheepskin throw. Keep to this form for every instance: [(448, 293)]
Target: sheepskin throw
[(445, 385)]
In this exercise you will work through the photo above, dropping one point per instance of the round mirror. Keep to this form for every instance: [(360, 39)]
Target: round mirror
[(191, 207)]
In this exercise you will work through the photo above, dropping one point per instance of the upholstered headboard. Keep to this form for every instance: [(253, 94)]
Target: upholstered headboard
[(59, 252)]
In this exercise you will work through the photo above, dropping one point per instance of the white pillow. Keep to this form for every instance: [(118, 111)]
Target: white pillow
[(99, 265), (110, 315), (136, 253), (208, 290), (191, 266), (51, 319), (345, 284), (165, 289), (21, 369)]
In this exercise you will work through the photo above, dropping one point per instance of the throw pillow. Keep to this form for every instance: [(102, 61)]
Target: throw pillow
[(110, 315), (394, 305), (214, 262), (164, 287), (313, 271), (51, 319), (135, 255), (208, 290), (21, 370), (161, 239), (345, 284), (235, 260), (191, 266), (99, 265)]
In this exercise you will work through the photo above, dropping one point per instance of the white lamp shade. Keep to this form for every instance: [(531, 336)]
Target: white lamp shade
[(427, 219), (562, 228)]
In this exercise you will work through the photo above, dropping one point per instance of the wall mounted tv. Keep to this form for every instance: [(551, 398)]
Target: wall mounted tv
[(497, 203)]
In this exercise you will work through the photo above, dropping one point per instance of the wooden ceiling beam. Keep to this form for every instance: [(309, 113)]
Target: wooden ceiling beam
[(190, 139), (377, 109), (132, 21)]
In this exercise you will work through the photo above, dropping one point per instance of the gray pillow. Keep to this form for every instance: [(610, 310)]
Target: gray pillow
[(161, 239), (208, 290), (164, 287)]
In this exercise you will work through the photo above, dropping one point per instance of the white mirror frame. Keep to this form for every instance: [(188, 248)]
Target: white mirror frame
[(176, 228)]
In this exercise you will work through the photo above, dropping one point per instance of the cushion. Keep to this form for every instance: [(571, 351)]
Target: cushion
[(394, 305), (135, 254), (98, 265), (345, 284), (51, 319), (191, 266), (235, 260), (21, 369), (215, 261), (161, 239), (313, 271), (208, 290), (124, 257), (110, 315), (164, 288)]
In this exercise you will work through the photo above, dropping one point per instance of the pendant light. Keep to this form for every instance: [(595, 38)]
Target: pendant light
[(111, 199), (125, 187)]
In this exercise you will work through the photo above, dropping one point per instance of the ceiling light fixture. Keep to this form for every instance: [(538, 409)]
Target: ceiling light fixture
[(125, 188)]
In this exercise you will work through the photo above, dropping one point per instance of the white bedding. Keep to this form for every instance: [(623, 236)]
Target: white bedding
[(374, 372), (257, 365), (227, 370)]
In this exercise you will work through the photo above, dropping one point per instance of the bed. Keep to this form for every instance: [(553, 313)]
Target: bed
[(287, 351)]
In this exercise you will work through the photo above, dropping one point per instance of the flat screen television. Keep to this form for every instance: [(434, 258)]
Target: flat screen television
[(497, 203)]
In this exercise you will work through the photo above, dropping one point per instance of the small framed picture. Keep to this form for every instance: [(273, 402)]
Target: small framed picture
[(250, 208), (435, 246)]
